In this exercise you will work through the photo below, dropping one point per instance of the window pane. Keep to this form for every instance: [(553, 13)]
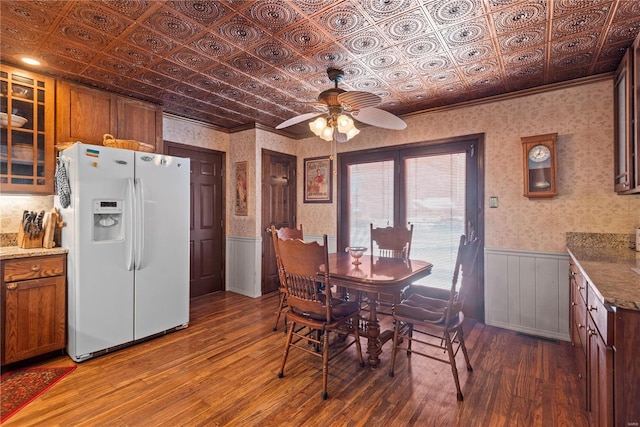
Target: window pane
[(435, 188), (370, 199)]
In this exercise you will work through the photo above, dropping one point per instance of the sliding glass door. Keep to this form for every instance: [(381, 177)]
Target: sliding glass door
[(437, 187)]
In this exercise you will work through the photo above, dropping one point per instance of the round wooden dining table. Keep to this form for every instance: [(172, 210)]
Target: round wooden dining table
[(372, 277)]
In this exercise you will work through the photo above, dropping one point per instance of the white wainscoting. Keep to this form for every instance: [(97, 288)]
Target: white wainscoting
[(527, 292), (243, 266), (244, 263)]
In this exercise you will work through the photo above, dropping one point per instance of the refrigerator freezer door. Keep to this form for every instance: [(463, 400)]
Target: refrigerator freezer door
[(100, 292), (162, 270)]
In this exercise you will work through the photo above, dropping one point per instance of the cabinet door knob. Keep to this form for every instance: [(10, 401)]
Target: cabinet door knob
[(592, 308), (35, 268), (12, 285)]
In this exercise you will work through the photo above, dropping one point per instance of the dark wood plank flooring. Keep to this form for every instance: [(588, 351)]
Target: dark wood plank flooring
[(221, 370)]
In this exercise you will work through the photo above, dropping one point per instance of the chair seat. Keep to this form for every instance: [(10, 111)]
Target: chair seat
[(340, 310), (420, 313), (426, 302)]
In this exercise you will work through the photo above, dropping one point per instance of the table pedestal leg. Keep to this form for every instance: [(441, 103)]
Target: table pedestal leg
[(373, 332)]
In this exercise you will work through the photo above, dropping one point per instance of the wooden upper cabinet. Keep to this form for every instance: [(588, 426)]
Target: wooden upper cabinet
[(86, 114), (140, 121)]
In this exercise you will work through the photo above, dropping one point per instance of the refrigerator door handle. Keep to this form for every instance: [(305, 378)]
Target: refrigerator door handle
[(129, 231), (139, 223)]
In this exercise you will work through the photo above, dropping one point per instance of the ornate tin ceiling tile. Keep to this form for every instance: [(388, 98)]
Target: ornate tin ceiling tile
[(342, 20), (274, 15), (149, 40), (210, 45), (447, 12), (468, 32), (520, 16), (407, 26), (171, 24), (241, 32), (304, 37), (205, 12)]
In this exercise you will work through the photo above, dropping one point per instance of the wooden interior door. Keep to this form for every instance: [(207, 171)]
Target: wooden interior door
[(207, 217), (278, 208)]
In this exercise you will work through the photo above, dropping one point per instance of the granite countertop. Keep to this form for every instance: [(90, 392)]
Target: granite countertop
[(611, 271), (11, 252)]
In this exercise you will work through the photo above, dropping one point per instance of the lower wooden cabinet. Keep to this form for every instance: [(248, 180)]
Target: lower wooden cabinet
[(33, 306), (606, 341), (600, 363), (626, 380)]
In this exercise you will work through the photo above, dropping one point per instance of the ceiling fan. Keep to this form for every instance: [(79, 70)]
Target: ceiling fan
[(338, 107)]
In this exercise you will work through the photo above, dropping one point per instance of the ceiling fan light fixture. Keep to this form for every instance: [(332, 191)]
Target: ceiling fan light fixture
[(327, 133), (352, 132), (318, 125), (339, 107), (344, 123), (346, 126)]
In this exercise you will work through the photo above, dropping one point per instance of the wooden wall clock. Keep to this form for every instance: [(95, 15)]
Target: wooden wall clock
[(539, 155)]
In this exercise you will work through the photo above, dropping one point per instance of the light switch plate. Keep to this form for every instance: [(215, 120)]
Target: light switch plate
[(493, 202)]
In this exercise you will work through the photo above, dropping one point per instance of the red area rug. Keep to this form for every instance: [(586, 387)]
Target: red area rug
[(19, 387)]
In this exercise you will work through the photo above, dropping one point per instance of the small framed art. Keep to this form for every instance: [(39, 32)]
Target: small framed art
[(318, 180), (241, 197)]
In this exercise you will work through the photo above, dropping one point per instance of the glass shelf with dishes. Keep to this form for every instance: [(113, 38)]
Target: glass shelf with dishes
[(26, 132)]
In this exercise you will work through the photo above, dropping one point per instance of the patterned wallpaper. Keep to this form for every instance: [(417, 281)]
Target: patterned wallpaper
[(581, 115), (583, 118)]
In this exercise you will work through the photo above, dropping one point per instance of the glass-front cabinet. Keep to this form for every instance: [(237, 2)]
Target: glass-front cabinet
[(26, 131), (627, 122), (623, 130)]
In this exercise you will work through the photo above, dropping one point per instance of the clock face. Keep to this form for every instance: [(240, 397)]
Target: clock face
[(539, 153)]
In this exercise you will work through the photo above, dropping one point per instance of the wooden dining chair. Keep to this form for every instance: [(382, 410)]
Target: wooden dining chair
[(313, 313), (435, 323), (390, 242), (283, 233)]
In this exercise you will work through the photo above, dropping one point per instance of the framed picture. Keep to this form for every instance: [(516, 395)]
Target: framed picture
[(242, 198), (318, 180)]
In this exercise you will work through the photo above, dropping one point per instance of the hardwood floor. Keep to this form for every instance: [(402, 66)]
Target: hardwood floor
[(222, 369)]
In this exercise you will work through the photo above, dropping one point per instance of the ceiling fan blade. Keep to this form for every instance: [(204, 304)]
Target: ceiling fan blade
[(379, 118), (297, 119), (355, 100)]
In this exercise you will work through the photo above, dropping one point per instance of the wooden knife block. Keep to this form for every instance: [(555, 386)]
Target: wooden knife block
[(27, 242)]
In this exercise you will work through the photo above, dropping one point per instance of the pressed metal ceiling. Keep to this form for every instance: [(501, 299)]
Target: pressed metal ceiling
[(234, 63)]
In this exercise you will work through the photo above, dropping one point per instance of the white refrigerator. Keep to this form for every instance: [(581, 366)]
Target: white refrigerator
[(127, 233)]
